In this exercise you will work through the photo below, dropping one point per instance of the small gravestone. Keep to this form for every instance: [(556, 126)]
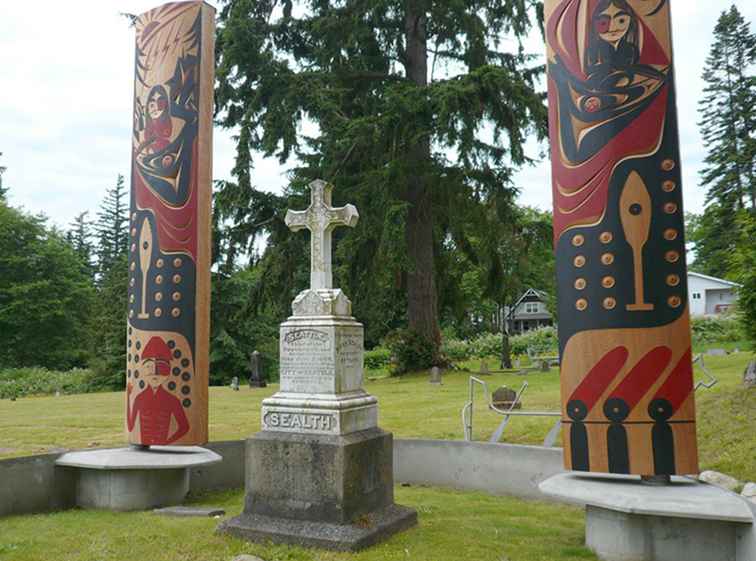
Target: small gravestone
[(256, 373), (435, 376), (235, 383), (716, 352), (504, 397), (544, 364), (517, 362), (749, 376), (484, 370)]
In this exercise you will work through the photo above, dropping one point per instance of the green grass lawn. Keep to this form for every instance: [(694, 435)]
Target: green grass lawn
[(409, 407), (453, 526)]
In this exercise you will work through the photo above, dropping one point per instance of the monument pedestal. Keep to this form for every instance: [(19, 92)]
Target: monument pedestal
[(334, 492), (125, 479), (685, 520), (320, 474)]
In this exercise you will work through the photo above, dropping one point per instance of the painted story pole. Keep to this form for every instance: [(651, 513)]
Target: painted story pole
[(170, 227), (624, 334)]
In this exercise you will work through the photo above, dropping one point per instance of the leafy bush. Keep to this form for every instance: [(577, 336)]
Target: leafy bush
[(487, 344), (723, 329), (379, 357), (540, 341), (456, 349), (21, 382), (410, 351)]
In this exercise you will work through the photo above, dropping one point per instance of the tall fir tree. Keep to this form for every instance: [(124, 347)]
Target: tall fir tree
[(79, 235), (3, 189), (728, 114), (111, 227), (422, 109)]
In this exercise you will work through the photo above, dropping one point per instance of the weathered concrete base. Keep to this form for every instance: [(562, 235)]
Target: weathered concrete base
[(683, 521), (368, 530), (618, 536), (125, 479), (335, 492)]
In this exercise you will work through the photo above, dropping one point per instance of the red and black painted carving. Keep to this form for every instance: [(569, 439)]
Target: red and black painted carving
[(618, 235), (169, 269)]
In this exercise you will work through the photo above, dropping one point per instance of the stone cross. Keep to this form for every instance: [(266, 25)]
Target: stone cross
[(320, 219)]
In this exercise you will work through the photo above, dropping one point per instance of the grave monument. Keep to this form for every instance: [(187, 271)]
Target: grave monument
[(624, 334), (320, 472), (169, 268)]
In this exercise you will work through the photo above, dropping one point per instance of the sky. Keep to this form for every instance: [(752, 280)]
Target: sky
[(66, 82)]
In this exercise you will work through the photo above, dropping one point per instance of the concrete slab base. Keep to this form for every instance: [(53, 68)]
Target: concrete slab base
[(126, 479), (686, 520), (369, 530)]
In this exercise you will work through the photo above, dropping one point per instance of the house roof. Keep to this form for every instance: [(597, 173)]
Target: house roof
[(714, 279), (541, 295)]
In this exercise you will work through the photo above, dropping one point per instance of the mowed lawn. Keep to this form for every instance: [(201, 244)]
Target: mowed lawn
[(409, 407), (453, 526)]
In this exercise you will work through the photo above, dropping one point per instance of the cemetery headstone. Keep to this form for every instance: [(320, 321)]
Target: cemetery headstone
[(323, 470), (235, 383), (256, 372), (716, 352), (169, 226), (749, 376), (484, 370), (435, 376), (504, 398), (624, 329)]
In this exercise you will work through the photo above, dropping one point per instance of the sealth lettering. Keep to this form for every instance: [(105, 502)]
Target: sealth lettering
[(303, 421)]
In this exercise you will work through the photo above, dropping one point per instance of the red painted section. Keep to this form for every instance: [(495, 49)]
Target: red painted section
[(601, 375), (679, 385), (155, 409), (643, 375)]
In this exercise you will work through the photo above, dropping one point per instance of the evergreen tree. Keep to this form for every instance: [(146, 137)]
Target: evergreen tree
[(112, 227), (728, 114), (3, 190), (80, 237), (421, 110), (45, 298)]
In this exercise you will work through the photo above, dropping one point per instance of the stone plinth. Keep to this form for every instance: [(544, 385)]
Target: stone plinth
[(125, 479), (335, 492), (321, 371), (629, 521)]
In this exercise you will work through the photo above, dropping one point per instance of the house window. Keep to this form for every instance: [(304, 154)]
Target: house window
[(696, 296), (531, 307)]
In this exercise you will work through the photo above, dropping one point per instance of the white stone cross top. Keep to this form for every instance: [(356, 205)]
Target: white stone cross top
[(320, 219)]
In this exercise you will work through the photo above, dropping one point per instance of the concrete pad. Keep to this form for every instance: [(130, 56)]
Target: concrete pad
[(683, 498), (685, 520), (155, 457), (190, 511), (127, 479)]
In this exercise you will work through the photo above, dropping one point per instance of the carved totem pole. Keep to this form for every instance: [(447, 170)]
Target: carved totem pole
[(627, 378), (169, 246)]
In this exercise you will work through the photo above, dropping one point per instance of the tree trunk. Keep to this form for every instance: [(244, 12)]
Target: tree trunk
[(506, 349), (422, 301)]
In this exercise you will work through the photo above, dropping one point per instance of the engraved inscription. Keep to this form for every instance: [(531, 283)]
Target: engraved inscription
[(303, 422), (307, 361)]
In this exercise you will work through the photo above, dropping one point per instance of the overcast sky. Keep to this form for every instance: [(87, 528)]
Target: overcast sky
[(66, 95)]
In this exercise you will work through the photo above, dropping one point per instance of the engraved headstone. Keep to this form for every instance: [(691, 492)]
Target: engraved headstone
[(256, 372), (749, 376), (484, 370), (320, 463), (235, 383), (504, 398), (435, 375)]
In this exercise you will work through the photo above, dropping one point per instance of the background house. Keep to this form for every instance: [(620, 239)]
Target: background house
[(529, 312), (710, 295)]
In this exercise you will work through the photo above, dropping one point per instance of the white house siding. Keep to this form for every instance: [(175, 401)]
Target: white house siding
[(708, 295)]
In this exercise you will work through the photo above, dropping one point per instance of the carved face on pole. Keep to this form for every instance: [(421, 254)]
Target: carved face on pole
[(612, 23)]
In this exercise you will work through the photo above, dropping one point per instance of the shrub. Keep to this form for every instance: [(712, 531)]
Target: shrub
[(487, 344), (379, 357), (456, 349), (722, 329), (21, 382), (409, 351), (539, 341)]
